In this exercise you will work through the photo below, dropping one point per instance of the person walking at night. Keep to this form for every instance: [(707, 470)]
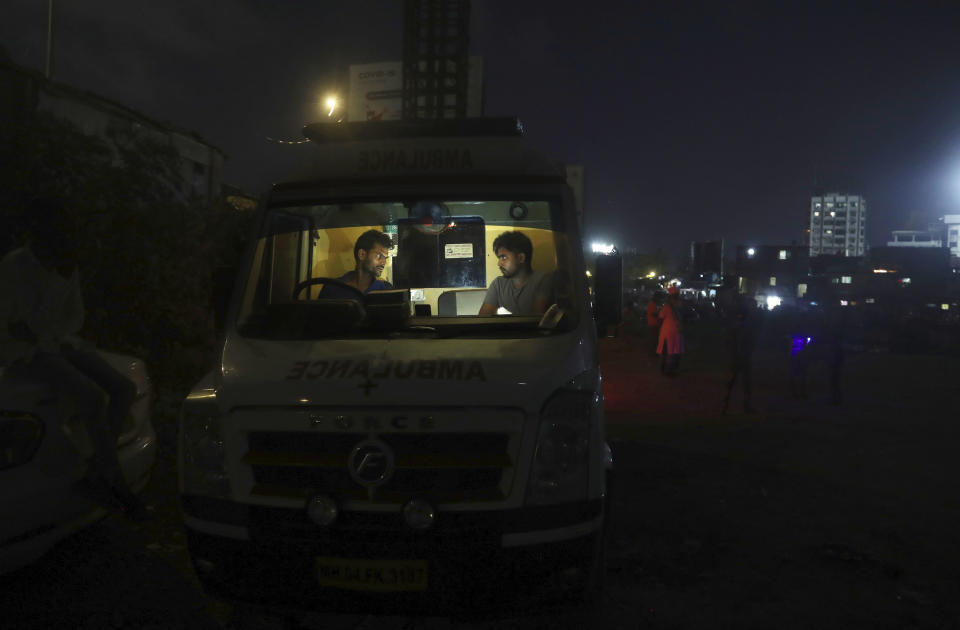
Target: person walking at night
[(820, 339), (670, 345), (743, 322), (40, 311), (653, 321), (803, 334), (834, 336)]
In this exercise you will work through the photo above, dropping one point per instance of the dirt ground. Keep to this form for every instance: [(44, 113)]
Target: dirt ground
[(801, 515)]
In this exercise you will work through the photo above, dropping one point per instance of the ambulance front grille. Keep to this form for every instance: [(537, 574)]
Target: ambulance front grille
[(440, 467)]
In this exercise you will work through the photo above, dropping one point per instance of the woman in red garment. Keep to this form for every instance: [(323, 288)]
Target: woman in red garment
[(670, 345)]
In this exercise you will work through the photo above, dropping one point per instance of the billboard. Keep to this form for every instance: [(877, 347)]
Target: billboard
[(375, 91)]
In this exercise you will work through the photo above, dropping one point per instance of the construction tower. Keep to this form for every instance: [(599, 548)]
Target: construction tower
[(435, 58)]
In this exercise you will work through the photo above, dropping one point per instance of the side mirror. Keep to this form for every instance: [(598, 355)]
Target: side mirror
[(608, 290), (223, 280)]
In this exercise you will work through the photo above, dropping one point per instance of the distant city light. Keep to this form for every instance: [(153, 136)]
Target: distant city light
[(773, 301), (652, 274), (602, 248), (751, 252)]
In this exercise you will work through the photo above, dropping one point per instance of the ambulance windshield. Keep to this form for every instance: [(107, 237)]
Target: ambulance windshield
[(379, 266)]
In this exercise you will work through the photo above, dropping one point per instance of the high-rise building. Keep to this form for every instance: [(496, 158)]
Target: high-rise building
[(436, 59), (437, 77), (838, 224), (951, 228)]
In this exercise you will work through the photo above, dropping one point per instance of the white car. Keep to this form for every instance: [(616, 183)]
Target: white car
[(42, 449)]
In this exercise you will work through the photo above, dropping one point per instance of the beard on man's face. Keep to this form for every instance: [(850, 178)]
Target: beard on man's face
[(373, 269)]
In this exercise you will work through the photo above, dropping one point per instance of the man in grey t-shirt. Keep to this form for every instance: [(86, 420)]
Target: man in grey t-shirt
[(521, 290)]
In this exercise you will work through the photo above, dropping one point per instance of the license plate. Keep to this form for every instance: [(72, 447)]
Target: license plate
[(372, 575)]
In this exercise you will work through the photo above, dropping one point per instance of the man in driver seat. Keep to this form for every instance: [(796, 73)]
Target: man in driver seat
[(521, 290), (370, 254)]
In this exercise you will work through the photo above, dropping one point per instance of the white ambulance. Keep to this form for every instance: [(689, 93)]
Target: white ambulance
[(393, 450)]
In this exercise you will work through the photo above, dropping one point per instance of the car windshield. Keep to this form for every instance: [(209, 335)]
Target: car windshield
[(411, 266)]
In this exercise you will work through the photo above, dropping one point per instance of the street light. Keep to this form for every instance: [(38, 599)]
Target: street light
[(331, 103)]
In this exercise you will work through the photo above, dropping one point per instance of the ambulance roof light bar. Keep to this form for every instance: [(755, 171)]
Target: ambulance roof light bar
[(325, 132)]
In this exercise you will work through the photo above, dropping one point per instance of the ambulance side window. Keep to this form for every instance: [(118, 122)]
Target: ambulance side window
[(290, 253)]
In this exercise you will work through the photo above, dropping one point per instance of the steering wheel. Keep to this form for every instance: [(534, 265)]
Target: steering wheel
[(297, 290)]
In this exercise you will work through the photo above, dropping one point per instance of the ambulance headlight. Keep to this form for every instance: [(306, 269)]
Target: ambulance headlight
[(202, 452), (560, 471)]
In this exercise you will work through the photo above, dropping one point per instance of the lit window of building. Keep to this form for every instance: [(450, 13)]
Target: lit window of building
[(846, 279), (773, 281)]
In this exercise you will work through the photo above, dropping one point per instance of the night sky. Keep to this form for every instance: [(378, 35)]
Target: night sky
[(691, 123)]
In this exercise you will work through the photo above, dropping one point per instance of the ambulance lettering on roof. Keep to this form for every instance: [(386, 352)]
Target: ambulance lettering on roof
[(392, 160), (453, 369), (396, 148)]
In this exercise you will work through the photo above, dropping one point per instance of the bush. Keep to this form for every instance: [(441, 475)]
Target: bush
[(146, 251)]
